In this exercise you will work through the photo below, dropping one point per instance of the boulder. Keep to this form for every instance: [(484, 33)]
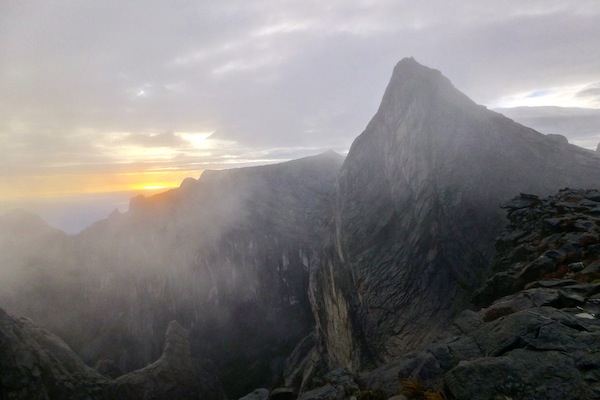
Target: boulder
[(523, 374)]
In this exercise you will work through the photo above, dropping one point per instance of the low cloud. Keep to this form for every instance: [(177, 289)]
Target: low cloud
[(580, 125), (291, 75), (165, 139), (592, 92)]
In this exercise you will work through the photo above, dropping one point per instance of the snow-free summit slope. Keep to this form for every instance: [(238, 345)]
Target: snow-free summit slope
[(417, 211)]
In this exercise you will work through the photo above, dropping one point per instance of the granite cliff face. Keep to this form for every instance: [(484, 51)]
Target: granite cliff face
[(417, 211), (226, 255), (540, 339)]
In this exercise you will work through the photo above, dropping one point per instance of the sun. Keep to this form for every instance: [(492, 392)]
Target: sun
[(153, 187)]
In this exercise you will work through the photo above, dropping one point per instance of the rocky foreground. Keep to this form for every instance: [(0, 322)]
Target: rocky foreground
[(537, 336)]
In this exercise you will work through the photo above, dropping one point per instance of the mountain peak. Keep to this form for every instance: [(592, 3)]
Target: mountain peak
[(416, 212), (20, 221), (418, 89), (410, 64), (409, 70), (327, 155)]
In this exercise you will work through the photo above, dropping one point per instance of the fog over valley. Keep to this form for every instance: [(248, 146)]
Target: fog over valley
[(298, 201)]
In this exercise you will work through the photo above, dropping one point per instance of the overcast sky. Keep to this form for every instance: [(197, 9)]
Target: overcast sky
[(90, 88)]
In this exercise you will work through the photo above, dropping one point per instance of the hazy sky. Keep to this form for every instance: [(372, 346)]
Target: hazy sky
[(98, 96)]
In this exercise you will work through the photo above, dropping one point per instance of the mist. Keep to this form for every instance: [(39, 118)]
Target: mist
[(71, 213), (215, 254), (278, 271)]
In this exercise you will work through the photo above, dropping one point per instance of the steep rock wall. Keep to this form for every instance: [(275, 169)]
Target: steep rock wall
[(226, 255), (416, 212)]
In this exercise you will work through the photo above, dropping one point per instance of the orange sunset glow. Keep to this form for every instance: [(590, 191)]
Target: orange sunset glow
[(126, 98), (69, 184)]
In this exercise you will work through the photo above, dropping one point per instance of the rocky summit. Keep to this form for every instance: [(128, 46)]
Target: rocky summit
[(538, 341), (416, 213)]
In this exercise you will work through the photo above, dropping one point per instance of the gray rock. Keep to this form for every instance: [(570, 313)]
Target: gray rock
[(520, 375), (577, 266), (522, 201), (555, 283), (416, 214), (327, 392), (341, 378), (560, 139), (305, 368), (257, 394), (467, 321), (592, 268), (589, 289), (539, 342), (36, 364), (385, 377), (593, 195), (174, 375), (108, 368), (464, 348), (283, 394), (512, 304)]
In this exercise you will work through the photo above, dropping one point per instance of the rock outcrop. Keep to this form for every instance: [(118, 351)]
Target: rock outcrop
[(539, 341), (536, 344), (175, 375), (36, 364), (547, 238), (416, 214)]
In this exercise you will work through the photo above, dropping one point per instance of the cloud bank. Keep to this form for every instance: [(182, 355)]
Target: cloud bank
[(137, 86)]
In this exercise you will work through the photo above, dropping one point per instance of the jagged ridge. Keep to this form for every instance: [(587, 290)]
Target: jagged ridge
[(417, 211)]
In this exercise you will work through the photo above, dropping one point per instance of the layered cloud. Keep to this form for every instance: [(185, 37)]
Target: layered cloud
[(580, 125), (138, 86)]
